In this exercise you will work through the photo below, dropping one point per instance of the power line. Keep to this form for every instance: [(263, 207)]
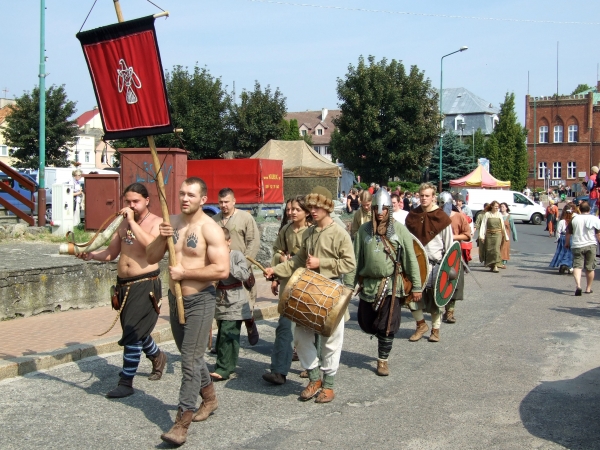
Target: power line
[(406, 13)]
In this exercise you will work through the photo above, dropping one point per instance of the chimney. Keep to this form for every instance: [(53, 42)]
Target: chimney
[(323, 114)]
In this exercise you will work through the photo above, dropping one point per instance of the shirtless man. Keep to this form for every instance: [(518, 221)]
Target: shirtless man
[(202, 257), (138, 283)]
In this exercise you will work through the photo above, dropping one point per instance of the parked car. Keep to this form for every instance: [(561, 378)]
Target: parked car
[(521, 208), (14, 184)]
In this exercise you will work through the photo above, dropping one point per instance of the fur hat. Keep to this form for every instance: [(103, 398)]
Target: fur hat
[(321, 198)]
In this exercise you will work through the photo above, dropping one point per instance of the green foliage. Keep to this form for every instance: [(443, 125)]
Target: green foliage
[(290, 131), (581, 88), (22, 129), (308, 139), (256, 119), (199, 106), (480, 139), (506, 148), (389, 120), (457, 160)]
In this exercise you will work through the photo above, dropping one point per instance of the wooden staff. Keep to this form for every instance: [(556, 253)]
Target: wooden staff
[(163, 204)]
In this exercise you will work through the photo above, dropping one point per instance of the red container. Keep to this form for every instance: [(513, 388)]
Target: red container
[(102, 198), (137, 166)]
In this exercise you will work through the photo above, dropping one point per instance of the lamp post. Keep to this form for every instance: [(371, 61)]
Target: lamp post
[(473, 135), (462, 49), (462, 126)]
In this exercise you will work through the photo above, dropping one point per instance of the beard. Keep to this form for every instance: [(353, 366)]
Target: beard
[(191, 209)]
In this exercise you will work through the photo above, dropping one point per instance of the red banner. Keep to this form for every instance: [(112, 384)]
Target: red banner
[(126, 70)]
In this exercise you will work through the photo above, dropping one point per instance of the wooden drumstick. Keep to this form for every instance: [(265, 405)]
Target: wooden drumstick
[(257, 264)]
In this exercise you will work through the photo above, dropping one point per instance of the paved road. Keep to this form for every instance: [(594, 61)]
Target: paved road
[(520, 369)]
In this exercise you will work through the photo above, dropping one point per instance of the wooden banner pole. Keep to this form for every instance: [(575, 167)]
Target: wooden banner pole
[(163, 204)]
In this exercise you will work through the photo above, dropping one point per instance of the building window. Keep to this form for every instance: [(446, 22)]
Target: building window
[(557, 171), (571, 170), (317, 149), (495, 121), (87, 157), (303, 132), (326, 150), (458, 121), (543, 135), (558, 133), (542, 168), (573, 133), (319, 131), (3, 150)]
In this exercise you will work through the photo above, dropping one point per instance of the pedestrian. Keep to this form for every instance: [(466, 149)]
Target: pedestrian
[(491, 233), (551, 217), (563, 257), (461, 232), (379, 272), (585, 229), (245, 237), (460, 204), (327, 249), (363, 214), (288, 242), (593, 191), (202, 258), (77, 189), (232, 307), (511, 231), (397, 211), (406, 201), (371, 188), (138, 287), (433, 228), (352, 202)]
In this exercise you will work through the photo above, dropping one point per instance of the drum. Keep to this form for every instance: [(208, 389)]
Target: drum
[(314, 302)]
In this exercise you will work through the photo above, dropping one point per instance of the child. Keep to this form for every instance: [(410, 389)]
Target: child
[(232, 308)]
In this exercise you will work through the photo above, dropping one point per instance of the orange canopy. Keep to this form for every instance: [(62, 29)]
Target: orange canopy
[(479, 178)]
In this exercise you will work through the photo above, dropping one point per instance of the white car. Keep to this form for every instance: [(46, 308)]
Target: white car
[(521, 208)]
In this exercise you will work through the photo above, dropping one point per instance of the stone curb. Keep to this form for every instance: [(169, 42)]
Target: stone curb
[(14, 367)]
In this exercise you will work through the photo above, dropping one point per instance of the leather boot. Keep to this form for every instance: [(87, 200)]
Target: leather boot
[(450, 317), (435, 335), (123, 389), (382, 368), (158, 366), (274, 378), (209, 403), (178, 433), (311, 390), (422, 328), (252, 331), (325, 396)]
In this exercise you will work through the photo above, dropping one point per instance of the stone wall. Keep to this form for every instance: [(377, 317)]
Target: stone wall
[(34, 291), (268, 235)]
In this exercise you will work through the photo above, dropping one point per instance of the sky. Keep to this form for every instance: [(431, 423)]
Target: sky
[(302, 47)]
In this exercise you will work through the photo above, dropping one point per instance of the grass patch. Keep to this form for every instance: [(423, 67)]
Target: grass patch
[(80, 235)]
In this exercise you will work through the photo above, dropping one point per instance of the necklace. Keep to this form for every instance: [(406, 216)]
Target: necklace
[(314, 244), (129, 236)]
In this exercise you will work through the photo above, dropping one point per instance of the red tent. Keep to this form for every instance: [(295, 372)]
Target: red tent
[(479, 178)]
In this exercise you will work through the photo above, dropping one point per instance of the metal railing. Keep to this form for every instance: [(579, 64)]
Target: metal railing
[(28, 202)]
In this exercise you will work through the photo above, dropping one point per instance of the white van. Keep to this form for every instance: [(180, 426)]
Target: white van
[(521, 208)]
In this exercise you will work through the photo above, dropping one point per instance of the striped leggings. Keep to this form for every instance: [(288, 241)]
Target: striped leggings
[(132, 354)]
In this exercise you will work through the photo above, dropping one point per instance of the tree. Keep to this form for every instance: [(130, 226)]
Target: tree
[(389, 120), (22, 129), (581, 88), (506, 148), (479, 139), (457, 160), (290, 131), (256, 120), (199, 106)]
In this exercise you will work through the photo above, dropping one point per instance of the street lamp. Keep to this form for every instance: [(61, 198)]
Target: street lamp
[(462, 49), (462, 126)]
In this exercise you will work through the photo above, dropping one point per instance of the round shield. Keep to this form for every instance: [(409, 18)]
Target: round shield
[(448, 275)]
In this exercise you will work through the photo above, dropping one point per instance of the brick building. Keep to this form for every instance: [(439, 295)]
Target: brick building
[(563, 140)]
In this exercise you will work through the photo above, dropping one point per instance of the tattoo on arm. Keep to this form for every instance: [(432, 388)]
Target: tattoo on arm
[(192, 240), (175, 235)]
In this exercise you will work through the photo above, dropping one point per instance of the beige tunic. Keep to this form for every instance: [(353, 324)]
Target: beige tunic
[(245, 236), (333, 247), (360, 217)]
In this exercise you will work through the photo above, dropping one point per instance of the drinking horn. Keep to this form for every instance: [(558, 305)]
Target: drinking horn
[(99, 239)]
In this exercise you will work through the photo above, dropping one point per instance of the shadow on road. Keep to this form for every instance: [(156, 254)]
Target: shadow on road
[(565, 412), (154, 409), (591, 313), (546, 289)]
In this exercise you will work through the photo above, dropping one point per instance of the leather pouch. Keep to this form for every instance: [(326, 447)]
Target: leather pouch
[(114, 298)]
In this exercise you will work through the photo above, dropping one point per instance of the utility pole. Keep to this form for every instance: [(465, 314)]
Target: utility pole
[(42, 155)]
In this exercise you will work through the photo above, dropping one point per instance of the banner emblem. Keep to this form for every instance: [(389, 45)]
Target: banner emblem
[(125, 78)]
